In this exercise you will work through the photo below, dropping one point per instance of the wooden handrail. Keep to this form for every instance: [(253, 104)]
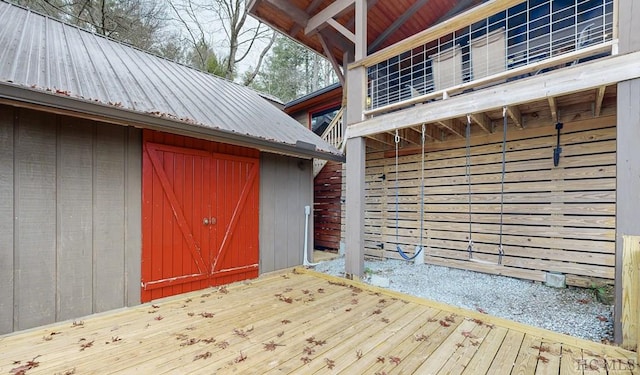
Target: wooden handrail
[(333, 133)]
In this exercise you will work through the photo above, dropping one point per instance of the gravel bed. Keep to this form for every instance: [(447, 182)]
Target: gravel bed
[(572, 311)]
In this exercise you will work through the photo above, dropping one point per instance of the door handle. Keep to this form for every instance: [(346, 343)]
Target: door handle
[(209, 221)]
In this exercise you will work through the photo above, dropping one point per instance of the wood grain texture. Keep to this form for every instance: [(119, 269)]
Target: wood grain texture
[(326, 206), (556, 219), (630, 292), (401, 334), (6, 218)]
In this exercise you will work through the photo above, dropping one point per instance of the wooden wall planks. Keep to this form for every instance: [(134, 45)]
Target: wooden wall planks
[(326, 206), (73, 245), (559, 219)]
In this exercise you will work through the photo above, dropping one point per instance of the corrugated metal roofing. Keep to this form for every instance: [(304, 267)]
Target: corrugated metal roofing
[(42, 58)]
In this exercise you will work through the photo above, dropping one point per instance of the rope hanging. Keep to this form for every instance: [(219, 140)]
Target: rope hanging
[(468, 172), (420, 247), (504, 153)]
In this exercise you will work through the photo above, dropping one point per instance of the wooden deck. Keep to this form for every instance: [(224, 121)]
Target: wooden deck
[(302, 322)]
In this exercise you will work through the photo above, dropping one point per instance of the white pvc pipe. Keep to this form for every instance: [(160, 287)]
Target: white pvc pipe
[(307, 213)]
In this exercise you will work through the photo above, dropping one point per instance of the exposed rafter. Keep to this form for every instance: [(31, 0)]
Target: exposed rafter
[(483, 121), (599, 98), (453, 126), (332, 59), (411, 135), (396, 24), (384, 138), (515, 115), (553, 106), (334, 9), (342, 30)]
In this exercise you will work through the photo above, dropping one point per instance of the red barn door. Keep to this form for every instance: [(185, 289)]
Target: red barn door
[(200, 219)]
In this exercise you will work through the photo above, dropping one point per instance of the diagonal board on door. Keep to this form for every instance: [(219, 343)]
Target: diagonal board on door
[(200, 219)]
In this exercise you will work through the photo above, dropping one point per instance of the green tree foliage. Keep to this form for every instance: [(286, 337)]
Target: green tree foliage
[(291, 70)]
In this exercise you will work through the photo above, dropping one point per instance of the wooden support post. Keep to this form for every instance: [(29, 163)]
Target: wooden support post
[(332, 59), (354, 258), (599, 98), (628, 158), (553, 107), (361, 29), (515, 115), (356, 154), (630, 292)]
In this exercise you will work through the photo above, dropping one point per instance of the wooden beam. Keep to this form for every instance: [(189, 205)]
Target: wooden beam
[(386, 138), (361, 29), (342, 30), (553, 106), (515, 115), (334, 9), (396, 24), (469, 17), (599, 98), (483, 121), (411, 135), (332, 59), (453, 126), (375, 145), (355, 206), (602, 72)]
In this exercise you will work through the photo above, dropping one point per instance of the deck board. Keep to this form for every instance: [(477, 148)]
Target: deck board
[(302, 322)]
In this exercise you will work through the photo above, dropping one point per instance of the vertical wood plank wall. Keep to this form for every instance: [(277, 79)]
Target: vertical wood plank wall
[(69, 217), (286, 186), (327, 194), (557, 219)]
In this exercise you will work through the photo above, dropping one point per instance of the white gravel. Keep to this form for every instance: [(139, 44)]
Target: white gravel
[(573, 311)]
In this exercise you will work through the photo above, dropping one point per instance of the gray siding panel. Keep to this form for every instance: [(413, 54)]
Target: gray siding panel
[(70, 217), (267, 215), (35, 227), (133, 216), (108, 225), (6, 219), (286, 186), (75, 211)]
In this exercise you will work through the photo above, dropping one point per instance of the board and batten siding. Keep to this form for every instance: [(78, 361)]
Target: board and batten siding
[(286, 187), (69, 217), (556, 219)]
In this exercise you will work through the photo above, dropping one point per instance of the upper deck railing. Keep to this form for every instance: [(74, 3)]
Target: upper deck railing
[(524, 39)]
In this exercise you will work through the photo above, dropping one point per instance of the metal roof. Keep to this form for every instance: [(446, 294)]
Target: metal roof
[(312, 95), (49, 63)]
